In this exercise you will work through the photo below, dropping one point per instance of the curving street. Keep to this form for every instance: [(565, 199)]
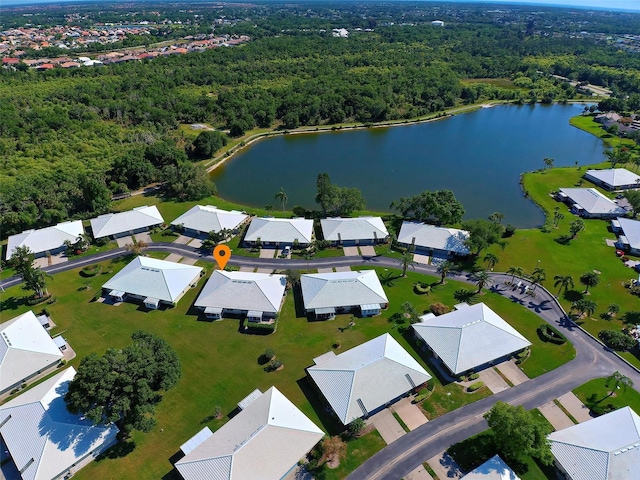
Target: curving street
[(592, 360)]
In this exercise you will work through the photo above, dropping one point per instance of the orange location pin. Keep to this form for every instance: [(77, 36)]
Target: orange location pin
[(222, 254)]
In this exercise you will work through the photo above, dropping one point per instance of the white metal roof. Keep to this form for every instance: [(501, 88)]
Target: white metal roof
[(45, 439), (469, 337), (605, 448), (25, 348), (45, 239), (243, 291), (149, 277), (282, 230), (616, 177), (264, 441), (207, 218), (492, 469), (348, 229), (592, 201), (341, 289), (430, 236), (631, 229), (115, 223), (369, 376)]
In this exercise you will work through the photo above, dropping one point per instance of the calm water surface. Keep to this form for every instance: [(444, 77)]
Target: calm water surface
[(478, 155)]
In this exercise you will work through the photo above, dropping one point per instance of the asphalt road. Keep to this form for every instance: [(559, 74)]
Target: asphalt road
[(395, 461)]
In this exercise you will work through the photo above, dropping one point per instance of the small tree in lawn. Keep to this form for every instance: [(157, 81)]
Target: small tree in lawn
[(482, 279), (576, 227), (282, 197), (407, 261), (584, 306), (491, 260), (616, 380), (613, 309), (515, 271), (356, 426), (333, 450), (548, 163), (537, 277), (563, 281), (444, 269), (589, 279)]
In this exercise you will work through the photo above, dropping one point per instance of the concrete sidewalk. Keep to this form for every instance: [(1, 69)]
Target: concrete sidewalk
[(575, 407), (387, 426)]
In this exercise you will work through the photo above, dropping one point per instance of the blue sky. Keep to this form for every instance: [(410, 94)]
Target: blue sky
[(607, 4)]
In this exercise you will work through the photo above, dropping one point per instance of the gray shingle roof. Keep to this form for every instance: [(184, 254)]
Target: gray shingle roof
[(605, 448), (469, 337)]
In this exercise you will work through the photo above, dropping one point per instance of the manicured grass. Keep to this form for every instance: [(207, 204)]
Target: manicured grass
[(446, 398), (330, 252), (586, 123), (358, 450), (597, 391)]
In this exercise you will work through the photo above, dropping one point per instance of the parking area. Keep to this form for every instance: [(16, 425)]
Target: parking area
[(422, 259), (52, 260), (492, 380), (410, 413)]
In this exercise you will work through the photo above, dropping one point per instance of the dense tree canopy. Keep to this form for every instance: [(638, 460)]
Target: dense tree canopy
[(335, 200), (482, 234), (439, 207), (124, 385)]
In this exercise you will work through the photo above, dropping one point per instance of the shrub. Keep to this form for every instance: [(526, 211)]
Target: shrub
[(32, 300), (550, 334), (274, 365), (90, 270), (356, 427), (473, 376), (509, 231), (475, 386), (269, 354), (617, 340), (438, 308), (422, 288), (261, 328)]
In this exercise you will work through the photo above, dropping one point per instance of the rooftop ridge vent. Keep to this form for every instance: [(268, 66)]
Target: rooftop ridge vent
[(6, 339)]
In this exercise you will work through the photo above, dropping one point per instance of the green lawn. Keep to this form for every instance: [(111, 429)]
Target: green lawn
[(597, 392), (587, 124), (220, 365), (358, 450)]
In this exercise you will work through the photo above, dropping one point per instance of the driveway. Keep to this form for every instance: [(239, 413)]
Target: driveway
[(143, 237), (343, 269), (367, 251), (173, 257), (423, 259), (410, 413), (575, 407), (124, 241), (325, 270), (350, 251), (267, 252), (183, 239), (444, 466), (510, 370), (492, 380), (387, 426), (557, 418)]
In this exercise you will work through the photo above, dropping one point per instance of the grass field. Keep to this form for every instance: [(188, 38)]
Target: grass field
[(599, 389), (220, 364)]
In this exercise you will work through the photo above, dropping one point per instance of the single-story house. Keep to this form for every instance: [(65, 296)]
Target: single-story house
[(152, 281), (44, 440), (590, 203), (628, 234), (280, 231), (123, 224), (354, 231), (437, 241), (43, 240), (471, 337), (325, 294), (604, 448), (361, 381), (492, 469), (202, 219), (258, 296), (264, 441), (26, 350), (613, 178)]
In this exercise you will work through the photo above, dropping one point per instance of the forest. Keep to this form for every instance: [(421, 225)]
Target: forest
[(71, 138)]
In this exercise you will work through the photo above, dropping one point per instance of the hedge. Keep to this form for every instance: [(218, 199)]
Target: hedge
[(421, 288), (475, 386), (550, 334), (261, 328), (32, 300)]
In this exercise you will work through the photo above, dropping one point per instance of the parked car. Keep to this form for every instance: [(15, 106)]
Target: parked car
[(286, 251)]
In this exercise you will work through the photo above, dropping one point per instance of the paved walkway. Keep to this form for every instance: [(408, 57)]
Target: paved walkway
[(444, 466), (124, 241), (367, 251), (510, 370), (350, 251), (410, 413), (387, 426), (492, 380), (557, 418), (575, 407)]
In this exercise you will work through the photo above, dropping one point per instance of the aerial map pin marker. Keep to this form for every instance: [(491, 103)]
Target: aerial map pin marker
[(222, 254)]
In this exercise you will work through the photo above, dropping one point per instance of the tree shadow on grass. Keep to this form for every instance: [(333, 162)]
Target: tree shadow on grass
[(119, 450), (563, 239), (12, 303), (572, 295)]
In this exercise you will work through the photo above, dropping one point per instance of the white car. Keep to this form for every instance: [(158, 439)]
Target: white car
[(286, 251)]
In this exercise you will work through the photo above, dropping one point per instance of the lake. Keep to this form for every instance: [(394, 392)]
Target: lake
[(479, 155)]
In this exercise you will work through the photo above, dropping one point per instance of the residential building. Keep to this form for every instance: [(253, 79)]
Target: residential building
[(590, 203), (628, 234), (202, 219), (46, 240), (43, 439), (264, 441), (325, 294), (258, 296), (436, 241), (152, 281), (26, 351), (280, 232), (604, 448), (471, 337), (364, 380), (613, 178), (123, 224), (354, 231), (492, 469)]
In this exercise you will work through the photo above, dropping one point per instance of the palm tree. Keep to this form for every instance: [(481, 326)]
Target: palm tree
[(407, 261), (268, 208), (292, 277), (576, 227), (618, 379), (538, 276), (557, 216), (483, 279), (565, 282), (613, 309), (491, 260), (513, 271), (548, 162), (584, 306), (589, 279), (281, 196), (444, 269)]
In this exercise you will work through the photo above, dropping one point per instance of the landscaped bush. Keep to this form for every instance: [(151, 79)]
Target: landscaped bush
[(475, 386), (90, 271), (262, 328), (438, 308), (473, 376), (617, 340), (422, 288), (31, 301), (509, 231), (550, 334)]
